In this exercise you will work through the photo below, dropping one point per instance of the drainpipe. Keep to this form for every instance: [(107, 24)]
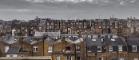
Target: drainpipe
[(32, 50), (75, 52), (43, 47)]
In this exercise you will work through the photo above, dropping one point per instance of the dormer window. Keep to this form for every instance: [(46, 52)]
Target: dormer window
[(15, 39), (99, 48), (110, 48), (93, 39), (69, 36), (109, 36), (102, 39), (112, 39), (114, 36), (95, 36), (89, 36), (134, 48)]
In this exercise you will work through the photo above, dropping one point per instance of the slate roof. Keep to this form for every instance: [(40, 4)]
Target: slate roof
[(118, 41), (133, 41), (67, 35), (73, 38), (31, 40), (14, 50), (52, 34), (89, 42), (9, 39), (103, 41), (50, 40)]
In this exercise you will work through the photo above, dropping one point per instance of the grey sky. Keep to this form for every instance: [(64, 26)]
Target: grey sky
[(68, 9)]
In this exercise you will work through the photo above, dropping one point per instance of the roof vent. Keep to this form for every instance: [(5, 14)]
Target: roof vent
[(113, 39)]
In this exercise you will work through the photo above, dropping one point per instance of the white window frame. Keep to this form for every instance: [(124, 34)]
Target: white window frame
[(99, 47), (35, 48), (50, 49), (134, 48), (11, 55), (121, 59), (110, 48), (95, 36), (69, 57), (120, 48), (89, 36), (58, 58), (94, 39), (136, 59), (6, 49), (112, 39), (102, 39)]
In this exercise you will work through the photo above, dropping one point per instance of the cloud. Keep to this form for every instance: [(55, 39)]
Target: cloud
[(122, 2), (125, 2), (74, 1), (16, 10), (133, 1), (23, 10), (119, 2)]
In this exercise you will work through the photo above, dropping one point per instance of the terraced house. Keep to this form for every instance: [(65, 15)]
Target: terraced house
[(94, 39)]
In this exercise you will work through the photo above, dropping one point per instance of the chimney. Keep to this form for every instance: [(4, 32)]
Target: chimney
[(13, 32)]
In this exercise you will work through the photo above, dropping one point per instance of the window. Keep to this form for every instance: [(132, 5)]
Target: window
[(8, 55), (78, 48), (102, 39), (93, 39), (121, 59), (89, 36), (12, 55), (95, 36), (58, 58), (35, 48), (136, 59), (68, 49), (114, 36), (134, 48), (101, 58), (110, 48), (112, 39), (6, 49), (78, 58), (99, 48), (50, 49), (69, 58), (120, 48)]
